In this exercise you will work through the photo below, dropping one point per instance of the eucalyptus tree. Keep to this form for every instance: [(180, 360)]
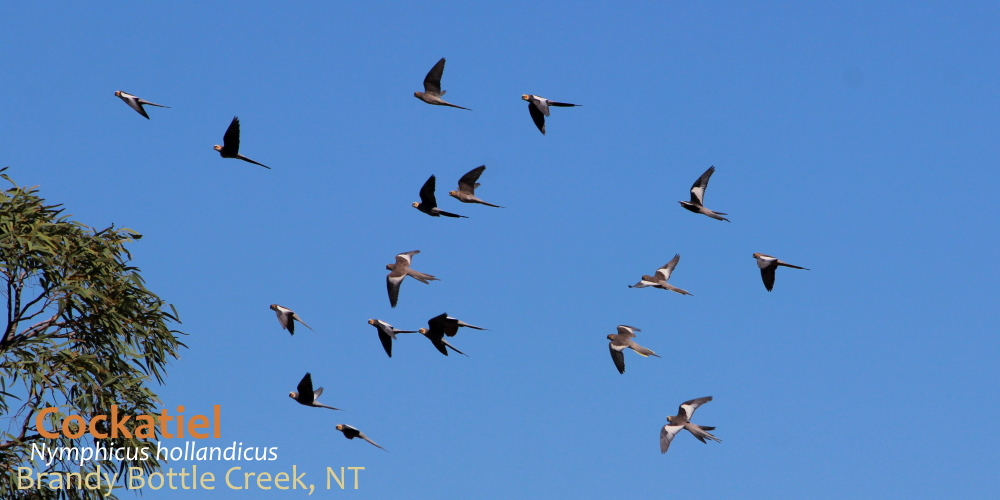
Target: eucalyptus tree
[(82, 334)]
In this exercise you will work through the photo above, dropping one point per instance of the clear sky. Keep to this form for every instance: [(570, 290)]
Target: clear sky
[(855, 139)]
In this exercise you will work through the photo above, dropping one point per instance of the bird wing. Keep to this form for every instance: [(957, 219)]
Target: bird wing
[(282, 317), (467, 184), (386, 340), (537, 116), (767, 274), (541, 103), (700, 185), (438, 325), (134, 103), (231, 141), (392, 285), (668, 268), (667, 434), (618, 357), (687, 408), (406, 257), (627, 331), (432, 82), (305, 389), (427, 193)]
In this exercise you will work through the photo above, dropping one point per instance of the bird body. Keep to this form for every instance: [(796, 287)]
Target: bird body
[(538, 108), (697, 203), (428, 202), (287, 318), (768, 265), (231, 144), (351, 432), (467, 185), (387, 333), (623, 340), (399, 271), (683, 421), (432, 87), (136, 103), (659, 280), (306, 396)]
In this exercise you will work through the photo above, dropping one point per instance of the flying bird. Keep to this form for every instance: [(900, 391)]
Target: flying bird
[(287, 318), (697, 203), (538, 107), (387, 333), (659, 280), (768, 265), (441, 325), (683, 421), (400, 270), (467, 188), (450, 325), (306, 396), (231, 144), (432, 87), (353, 432), (623, 340), (136, 103), (428, 203)]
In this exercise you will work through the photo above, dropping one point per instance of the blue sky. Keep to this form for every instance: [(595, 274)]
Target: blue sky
[(857, 140)]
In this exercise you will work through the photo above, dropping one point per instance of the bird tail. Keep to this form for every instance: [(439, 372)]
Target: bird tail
[(421, 277), (701, 432)]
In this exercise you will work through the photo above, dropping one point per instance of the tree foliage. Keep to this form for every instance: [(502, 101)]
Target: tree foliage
[(82, 333)]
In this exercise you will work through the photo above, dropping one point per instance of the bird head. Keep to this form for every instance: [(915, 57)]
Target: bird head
[(293, 395), (418, 95), (390, 266), (118, 93), (757, 255), (611, 336), (525, 97), (371, 322), (453, 193), (416, 204), (274, 307), (670, 420), (217, 147), (340, 427), (423, 331)]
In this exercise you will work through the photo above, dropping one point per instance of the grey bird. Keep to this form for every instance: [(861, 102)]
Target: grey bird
[(697, 203), (400, 270), (428, 202), (441, 325), (768, 265), (387, 333), (467, 188), (623, 340), (352, 432), (307, 396), (287, 318), (231, 144), (683, 421), (136, 103), (432, 87), (659, 280), (538, 107)]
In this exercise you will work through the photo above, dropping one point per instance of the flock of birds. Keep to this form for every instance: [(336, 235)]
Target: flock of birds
[(442, 325)]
